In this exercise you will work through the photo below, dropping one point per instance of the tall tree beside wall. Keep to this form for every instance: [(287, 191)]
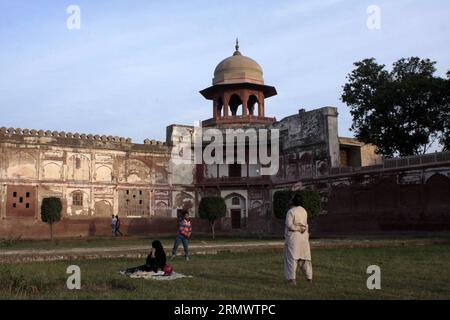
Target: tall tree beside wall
[(282, 200), (404, 111), (212, 209), (51, 212), (444, 118)]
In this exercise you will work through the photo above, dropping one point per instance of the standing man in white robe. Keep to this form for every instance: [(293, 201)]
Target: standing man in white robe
[(297, 251)]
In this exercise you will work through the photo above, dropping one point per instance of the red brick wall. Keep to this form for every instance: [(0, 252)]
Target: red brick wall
[(388, 206), (27, 228), (21, 201)]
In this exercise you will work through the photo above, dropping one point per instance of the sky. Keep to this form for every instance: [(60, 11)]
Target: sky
[(136, 66)]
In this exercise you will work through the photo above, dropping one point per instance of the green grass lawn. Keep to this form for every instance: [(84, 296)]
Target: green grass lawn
[(16, 243), (10, 244), (410, 272)]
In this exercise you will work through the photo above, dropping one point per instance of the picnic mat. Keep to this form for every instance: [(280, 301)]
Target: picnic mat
[(154, 275)]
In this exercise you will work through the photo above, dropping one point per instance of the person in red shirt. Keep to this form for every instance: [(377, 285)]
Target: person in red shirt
[(183, 235)]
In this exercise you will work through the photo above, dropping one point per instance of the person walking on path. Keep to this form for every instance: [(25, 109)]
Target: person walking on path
[(183, 235), (297, 251), (113, 225), (118, 226)]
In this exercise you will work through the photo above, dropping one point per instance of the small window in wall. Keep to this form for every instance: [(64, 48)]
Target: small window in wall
[(15, 194), (140, 192), (235, 201), (77, 199), (78, 163), (128, 191), (28, 195), (20, 200), (140, 201), (27, 206), (14, 205)]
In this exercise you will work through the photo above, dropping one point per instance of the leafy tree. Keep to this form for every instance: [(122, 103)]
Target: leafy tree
[(282, 199), (403, 111), (51, 212), (211, 209), (444, 117)]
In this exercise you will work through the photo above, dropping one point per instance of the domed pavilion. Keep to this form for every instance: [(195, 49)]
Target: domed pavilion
[(238, 92)]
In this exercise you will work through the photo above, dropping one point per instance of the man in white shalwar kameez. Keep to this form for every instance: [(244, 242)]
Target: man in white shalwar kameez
[(297, 251)]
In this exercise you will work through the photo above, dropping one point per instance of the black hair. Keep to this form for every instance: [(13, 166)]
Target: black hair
[(159, 250), (297, 200)]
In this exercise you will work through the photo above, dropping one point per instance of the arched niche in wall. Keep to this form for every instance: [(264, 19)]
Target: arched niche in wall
[(138, 171), (103, 208), (103, 174), (236, 209), (78, 203), (79, 167), (21, 165), (51, 171), (184, 201)]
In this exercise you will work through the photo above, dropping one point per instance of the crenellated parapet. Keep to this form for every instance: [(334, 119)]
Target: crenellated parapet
[(154, 142), (68, 138), (56, 134)]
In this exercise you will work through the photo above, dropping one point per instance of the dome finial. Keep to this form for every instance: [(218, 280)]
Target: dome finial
[(237, 48)]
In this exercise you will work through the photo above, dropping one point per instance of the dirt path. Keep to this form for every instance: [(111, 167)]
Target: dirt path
[(33, 255)]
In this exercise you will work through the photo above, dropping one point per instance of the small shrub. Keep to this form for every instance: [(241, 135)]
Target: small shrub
[(51, 212)]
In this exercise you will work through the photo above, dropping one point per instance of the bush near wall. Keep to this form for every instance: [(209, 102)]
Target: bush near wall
[(282, 198), (51, 212), (212, 209)]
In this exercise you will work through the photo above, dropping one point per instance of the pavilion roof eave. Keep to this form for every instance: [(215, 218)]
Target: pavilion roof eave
[(209, 93)]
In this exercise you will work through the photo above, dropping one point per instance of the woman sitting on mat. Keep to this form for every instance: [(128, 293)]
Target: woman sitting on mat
[(156, 260)]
